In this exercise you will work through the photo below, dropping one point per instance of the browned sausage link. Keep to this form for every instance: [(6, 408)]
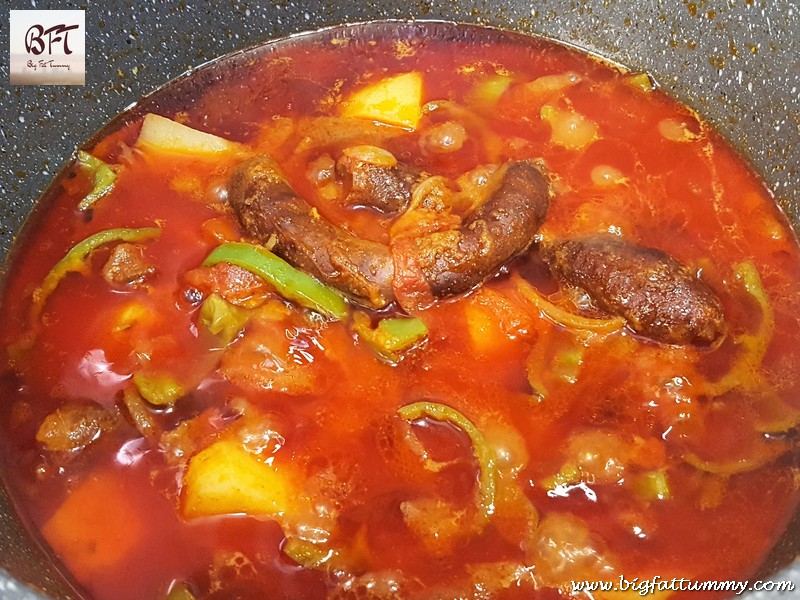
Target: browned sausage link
[(504, 226), (660, 297), (387, 189), (265, 206)]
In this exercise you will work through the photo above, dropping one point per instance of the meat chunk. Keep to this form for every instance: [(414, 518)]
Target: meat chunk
[(74, 426), (269, 358), (127, 265), (265, 206), (563, 547), (385, 188), (235, 284), (660, 297)]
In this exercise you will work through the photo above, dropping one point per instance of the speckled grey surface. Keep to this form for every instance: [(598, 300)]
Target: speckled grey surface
[(736, 61)]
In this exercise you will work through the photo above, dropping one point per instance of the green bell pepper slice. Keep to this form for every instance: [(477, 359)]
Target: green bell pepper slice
[(75, 261), (290, 283), (392, 336), (103, 182), (487, 482)]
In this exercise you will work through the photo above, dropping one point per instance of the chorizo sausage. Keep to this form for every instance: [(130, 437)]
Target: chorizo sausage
[(266, 206), (450, 262), (504, 226), (660, 297)]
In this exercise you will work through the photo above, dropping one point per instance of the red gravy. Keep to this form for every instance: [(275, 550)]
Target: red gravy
[(612, 454)]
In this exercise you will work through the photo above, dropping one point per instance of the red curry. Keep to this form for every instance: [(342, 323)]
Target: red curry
[(191, 430)]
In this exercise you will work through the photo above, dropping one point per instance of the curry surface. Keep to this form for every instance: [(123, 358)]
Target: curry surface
[(581, 424)]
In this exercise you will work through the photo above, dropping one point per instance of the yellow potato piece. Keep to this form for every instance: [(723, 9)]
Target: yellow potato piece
[(493, 321), (226, 479), (96, 527), (394, 101), (483, 330), (167, 135)]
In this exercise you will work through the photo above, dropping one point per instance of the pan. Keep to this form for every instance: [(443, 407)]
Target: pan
[(736, 63)]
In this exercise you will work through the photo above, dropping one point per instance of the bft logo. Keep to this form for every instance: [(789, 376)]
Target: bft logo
[(34, 39), (48, 47)]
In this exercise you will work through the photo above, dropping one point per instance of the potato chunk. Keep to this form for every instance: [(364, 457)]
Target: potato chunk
[(97, 526), (494, 321), (226, 479), (167, 135), (394, 101)]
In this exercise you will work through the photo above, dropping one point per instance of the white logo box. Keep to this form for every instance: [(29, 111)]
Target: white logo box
[(47, 47)]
